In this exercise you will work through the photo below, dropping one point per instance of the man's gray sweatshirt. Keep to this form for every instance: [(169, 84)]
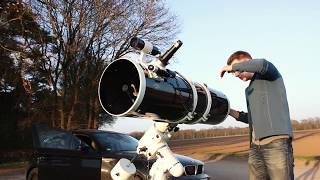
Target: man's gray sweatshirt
[(268, 111)]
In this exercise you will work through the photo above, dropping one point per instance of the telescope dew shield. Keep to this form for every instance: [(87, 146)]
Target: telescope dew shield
[(125, 87)]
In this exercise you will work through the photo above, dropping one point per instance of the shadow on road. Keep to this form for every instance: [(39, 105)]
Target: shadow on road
[(311, 173), (239, 155)]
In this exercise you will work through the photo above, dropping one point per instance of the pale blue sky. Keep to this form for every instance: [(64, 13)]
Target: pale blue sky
[(287, 33)]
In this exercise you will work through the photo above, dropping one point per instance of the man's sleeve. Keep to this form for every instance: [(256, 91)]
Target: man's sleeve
[(261, 66), (243, 117)]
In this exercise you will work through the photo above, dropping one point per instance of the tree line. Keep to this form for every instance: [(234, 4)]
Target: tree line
[(52, 53), (305, 124)]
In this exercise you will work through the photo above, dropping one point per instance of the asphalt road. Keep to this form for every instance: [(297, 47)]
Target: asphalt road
[(227, 170), (13, 177), (12, 174), (220, 170), (238, 170), (224, 170)]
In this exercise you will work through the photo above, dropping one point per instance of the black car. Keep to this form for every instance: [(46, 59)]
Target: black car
[(90, 155)]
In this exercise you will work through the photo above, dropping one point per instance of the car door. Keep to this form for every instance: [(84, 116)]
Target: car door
[(90, 161), (60, 156)]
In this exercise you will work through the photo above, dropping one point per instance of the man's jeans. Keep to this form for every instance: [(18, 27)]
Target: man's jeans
[(271, 161)]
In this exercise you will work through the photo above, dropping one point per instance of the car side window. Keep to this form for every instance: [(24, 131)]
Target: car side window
[(116, 142), (87, 140), (55, 139)]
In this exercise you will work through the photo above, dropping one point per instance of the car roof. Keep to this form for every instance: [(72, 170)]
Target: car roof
[(94, 131)]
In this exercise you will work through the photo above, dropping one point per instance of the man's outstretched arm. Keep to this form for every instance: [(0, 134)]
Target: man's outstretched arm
[(261, 66), (239, 116)]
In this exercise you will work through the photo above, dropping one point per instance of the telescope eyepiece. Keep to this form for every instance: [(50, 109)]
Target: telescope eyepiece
[(168, 55)]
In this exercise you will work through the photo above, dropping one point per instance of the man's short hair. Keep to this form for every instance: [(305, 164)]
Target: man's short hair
[(238, 55)]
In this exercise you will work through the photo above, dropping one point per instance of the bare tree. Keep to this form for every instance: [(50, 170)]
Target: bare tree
[(88, 34)]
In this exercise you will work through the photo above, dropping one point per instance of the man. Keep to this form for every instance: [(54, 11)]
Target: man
[(271, 154)]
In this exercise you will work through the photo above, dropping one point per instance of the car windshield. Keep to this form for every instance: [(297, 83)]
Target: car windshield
[(117, 142)]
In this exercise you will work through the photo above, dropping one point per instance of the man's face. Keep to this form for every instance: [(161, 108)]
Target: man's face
[(244, 76)]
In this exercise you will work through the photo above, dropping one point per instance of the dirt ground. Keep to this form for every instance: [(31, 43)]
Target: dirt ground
[(307, 144)]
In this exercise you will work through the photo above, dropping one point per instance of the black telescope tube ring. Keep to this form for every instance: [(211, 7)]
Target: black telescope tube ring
[(189, 116), (201, 111)]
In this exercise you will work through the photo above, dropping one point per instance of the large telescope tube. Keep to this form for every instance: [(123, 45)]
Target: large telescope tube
[(126, 88)]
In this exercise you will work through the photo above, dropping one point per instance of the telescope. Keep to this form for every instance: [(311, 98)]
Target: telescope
[(135, 88), (129, 87)]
